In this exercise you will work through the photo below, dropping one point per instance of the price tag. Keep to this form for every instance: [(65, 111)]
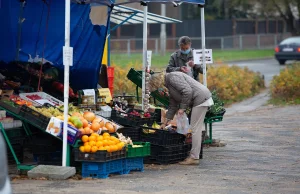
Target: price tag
[(68, 56), (105, 92)]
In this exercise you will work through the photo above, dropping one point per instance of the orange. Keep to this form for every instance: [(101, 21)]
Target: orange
[(106, 134), (86, 143), (87, 148), (105, 142), (109, 149), (92, 143), (120, 146), (101, 148), (81, 148), (99, 144), (96, 135), (106, 137), (100, 138), (109, 142), (113, 148), (85, 138), (92, 138), (106, 148), (94, 149)]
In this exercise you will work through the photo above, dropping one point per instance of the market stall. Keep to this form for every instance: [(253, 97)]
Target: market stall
[(98, 131)]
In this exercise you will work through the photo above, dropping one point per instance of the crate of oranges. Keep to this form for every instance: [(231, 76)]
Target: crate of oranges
[(100, 148)]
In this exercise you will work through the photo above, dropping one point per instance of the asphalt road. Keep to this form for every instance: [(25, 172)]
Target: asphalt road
[(261, 157), (267, 67)]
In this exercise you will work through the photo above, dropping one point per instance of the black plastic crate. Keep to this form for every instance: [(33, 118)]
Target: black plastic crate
[(19, 151), (99, 156), (53, 158), (44, 143), (133, 132), (168, 154), (161, 137), (132, 120), (35, 118), (11, 106)]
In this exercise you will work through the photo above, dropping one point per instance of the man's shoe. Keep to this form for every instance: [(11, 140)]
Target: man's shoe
[(190, 161)]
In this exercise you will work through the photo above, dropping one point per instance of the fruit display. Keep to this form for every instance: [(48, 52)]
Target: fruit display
[(96, 142), (19, 101), (71, 108), (48, 112), (88, 123), (145, 115)]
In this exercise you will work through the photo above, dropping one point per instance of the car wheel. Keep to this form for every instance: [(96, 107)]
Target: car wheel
[(281, 62)]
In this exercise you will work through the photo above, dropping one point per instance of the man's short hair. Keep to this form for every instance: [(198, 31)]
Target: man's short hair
[(184, 40)]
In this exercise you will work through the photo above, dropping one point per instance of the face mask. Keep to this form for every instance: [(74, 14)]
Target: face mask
[(186, 51)]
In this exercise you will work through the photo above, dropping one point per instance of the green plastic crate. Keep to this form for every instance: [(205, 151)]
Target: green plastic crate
[(136, 78), (139, 151)]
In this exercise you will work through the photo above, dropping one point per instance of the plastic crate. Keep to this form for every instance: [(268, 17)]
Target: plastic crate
[(136, 78), (133, 132), (130, 164), (161, 137), (19, 151), (53, 158), (131, 120), (43, 144), (99, 156), (14, 109), (110, 81), (138, 151), (168, 154), (42, 95), (15, 133), (35, 118), (110, 72), (102, 170)]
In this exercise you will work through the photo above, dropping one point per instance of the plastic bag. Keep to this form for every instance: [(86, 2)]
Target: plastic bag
[(183, 125)]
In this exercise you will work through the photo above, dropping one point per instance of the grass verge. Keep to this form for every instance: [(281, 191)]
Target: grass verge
[(219, 56)]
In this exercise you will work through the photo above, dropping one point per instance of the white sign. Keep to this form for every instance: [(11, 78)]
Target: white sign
[(197, 54), (68, 56)]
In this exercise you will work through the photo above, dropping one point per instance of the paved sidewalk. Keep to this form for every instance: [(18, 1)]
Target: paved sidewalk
[(261, 156)]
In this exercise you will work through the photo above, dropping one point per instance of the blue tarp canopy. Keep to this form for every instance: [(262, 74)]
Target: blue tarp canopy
[(45, 18)]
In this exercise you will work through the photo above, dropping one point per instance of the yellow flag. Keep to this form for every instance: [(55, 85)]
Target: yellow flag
[(104, 57)]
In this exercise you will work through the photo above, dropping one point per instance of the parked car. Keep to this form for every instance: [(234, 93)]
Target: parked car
[(288, 49), (5, 187)]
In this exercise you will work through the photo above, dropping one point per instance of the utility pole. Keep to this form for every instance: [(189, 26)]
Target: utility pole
[(163, 32)]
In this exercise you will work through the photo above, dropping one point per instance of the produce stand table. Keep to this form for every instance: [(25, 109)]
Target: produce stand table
[(28, 133), (136, 78)]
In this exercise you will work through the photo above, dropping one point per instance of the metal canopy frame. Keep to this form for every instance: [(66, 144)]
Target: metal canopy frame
[(123, 15)]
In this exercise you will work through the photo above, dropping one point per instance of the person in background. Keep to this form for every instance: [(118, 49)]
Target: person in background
[(182, 60), (184, 92)]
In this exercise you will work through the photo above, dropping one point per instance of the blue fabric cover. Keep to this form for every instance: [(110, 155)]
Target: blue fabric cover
[(86, 39)]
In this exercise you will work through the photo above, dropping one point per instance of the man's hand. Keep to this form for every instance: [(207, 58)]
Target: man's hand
[(184, 69), (191, 63), (180, 111)]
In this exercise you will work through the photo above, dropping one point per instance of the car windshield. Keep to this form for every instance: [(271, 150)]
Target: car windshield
[(294, 40)]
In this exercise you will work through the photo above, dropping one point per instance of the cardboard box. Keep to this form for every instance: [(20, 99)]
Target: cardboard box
[(55, 128), (5, 94)]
